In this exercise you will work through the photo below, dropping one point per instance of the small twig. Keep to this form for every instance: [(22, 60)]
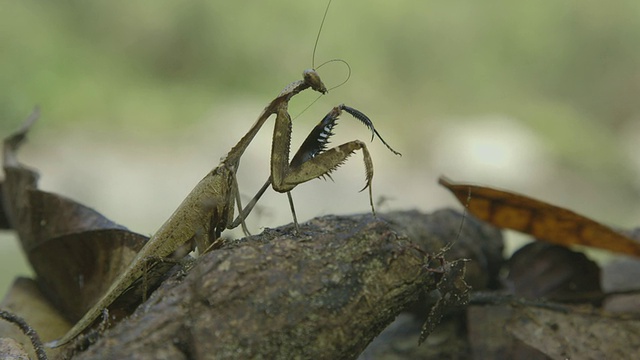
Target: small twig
[(27, 330)]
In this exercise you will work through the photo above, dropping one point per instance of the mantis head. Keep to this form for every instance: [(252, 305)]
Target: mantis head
[(312, 79)]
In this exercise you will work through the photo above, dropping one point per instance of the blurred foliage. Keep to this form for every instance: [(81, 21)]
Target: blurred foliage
[(111, 60)]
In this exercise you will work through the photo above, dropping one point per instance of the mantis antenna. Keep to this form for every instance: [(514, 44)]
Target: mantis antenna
[(348, 71), (313, 61), (315, 45)]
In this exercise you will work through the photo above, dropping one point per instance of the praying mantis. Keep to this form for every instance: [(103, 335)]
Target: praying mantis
[(210, 207)]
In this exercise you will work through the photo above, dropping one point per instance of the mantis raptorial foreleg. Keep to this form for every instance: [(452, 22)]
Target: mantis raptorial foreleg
[(312, 160)]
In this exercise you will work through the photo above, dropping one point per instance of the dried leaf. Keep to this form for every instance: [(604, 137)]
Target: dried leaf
[(75, 269), (542, 270), (75, 251), (544, 221)]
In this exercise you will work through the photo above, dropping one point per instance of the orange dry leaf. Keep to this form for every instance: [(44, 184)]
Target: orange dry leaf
[(544, 221)]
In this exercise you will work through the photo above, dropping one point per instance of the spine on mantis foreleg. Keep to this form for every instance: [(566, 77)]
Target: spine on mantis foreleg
[(191, 219)]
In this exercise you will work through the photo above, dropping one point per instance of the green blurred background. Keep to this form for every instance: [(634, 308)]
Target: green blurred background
[(140, 99)]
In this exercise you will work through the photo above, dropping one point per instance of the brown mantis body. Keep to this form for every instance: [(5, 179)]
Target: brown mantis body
[(209, 208), (202, 215)]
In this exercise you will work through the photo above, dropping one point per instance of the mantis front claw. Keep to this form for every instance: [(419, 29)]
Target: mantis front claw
[(313, 159)]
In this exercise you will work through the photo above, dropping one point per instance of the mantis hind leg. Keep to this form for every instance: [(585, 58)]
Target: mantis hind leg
[(244, 212), (241, 217)]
